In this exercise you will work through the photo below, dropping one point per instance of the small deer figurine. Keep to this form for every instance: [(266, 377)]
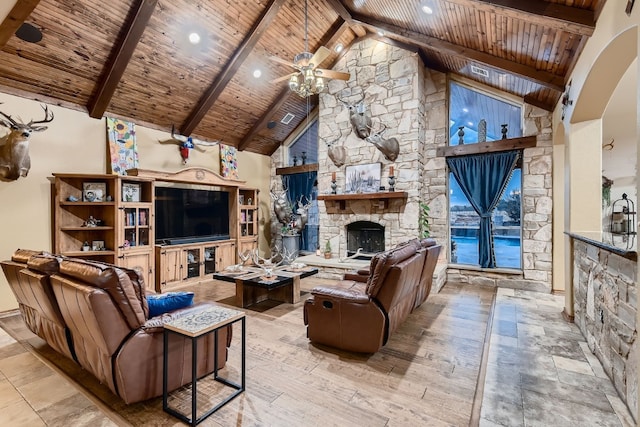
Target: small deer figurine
[(14, 146)]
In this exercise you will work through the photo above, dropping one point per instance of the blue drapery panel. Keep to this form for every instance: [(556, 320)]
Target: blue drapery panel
[(300, 184), (483, 178)]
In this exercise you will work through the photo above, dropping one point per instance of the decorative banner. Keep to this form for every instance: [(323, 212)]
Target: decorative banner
[(228, 161), (123, 151)]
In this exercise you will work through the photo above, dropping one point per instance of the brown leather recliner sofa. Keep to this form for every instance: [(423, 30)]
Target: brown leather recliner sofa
[(361, 316), (103, 309)]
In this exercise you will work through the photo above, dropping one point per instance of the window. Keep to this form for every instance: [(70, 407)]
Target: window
[(306, 147), (467, 107)]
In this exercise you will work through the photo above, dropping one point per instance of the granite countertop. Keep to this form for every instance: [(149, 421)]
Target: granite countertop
[(622, 244)]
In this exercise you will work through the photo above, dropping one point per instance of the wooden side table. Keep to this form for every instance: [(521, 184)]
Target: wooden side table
[(193, 327)]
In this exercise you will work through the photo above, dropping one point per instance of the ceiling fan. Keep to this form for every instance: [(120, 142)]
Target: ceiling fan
[(308, 79)]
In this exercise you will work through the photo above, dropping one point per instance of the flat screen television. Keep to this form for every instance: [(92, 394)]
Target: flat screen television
[(188, 215)]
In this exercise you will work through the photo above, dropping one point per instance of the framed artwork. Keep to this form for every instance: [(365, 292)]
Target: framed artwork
[(122, 150), (363, 178), (97, 245), (228, 161), (94, 191), (130, 192)]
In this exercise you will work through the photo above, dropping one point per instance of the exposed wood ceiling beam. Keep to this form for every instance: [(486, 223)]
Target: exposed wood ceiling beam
[(220, 83), (553, 15), (280, 99), (540, 77), (330, 37), (120, 56), (529, 99), (16, 17)]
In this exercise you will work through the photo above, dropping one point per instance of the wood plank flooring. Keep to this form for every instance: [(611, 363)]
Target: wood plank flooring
[(427, 374)]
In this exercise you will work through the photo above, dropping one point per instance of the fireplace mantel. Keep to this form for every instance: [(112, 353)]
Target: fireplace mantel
[(383, 198)]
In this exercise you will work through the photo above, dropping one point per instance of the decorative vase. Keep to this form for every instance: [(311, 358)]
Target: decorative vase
[(327, 255), (461, 135)]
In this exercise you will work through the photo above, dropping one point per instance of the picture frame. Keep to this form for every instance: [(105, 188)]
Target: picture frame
[(97, 245), (94, 191), (130, 192), (363, 178)]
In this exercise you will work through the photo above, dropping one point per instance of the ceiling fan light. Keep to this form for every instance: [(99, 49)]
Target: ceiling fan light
[(319, 84), (309, 76), (294, 83)]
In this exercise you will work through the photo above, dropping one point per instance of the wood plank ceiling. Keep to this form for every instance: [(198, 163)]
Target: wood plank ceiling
[(132, 59)]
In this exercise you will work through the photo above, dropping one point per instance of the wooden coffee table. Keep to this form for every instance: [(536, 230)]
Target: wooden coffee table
[(253, 287)]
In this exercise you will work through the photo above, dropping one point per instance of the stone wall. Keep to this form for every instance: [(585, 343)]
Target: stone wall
[(605, 305), (537, 218), (411, 101)]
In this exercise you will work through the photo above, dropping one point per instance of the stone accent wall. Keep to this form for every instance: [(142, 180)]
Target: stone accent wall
[(412, 101), (605, 305), (536, 199), (408, 99)]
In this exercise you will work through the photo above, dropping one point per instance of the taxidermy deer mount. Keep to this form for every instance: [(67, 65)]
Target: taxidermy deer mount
[(390, 148), (186, 143), (14, 146), (359, 116), (337, 153)]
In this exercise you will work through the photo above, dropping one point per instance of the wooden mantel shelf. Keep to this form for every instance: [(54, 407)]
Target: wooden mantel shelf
[(382, 197)]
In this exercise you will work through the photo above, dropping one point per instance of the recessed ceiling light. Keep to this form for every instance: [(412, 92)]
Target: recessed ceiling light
[(426, 9), (257, 73), (470, 123), (381, 33), (465, 110), (194, 38), (338, 48)]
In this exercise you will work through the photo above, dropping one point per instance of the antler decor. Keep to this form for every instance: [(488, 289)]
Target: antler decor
[(14, 146)]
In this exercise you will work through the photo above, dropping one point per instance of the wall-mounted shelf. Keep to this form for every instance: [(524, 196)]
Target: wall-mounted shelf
[(383, 198)]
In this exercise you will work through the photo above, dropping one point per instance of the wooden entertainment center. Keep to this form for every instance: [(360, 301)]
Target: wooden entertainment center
[(115, 216)]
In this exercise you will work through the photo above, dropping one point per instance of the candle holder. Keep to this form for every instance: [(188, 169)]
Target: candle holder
[(392, 183), (504, 130), (333, 187)]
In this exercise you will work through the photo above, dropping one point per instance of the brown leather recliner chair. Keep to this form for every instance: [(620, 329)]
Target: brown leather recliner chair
[(426, 278), (360, 317), (35, 297)]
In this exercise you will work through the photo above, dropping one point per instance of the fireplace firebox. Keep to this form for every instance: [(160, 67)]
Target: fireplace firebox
[(366, 235)]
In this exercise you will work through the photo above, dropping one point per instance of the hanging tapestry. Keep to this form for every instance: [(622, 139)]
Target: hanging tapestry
[(228, 161), (123, 152)]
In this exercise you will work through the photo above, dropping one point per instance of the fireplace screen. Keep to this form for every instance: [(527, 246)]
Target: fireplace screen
[(366, 235)]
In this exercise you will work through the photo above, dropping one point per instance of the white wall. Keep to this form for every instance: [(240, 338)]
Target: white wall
[(76, 143)]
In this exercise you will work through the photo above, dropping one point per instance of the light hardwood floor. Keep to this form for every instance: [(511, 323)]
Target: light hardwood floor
[(427, 374)]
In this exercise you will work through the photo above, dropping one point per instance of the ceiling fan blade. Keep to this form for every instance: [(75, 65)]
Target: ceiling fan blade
[(330, 74), (321, 54), (283, 61), (283, 78)]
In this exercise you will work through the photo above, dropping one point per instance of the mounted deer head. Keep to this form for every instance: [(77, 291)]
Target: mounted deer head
[(390, 148), (14, 146), (337, 153), (303, 214), (186, 143), (359, 116)]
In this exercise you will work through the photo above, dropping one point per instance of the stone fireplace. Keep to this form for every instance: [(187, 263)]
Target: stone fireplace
[(366, 235)]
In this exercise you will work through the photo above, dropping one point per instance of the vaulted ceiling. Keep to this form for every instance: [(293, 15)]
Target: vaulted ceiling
[(133, 60)]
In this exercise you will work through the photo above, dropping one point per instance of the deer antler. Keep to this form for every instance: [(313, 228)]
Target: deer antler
[(48, 117)]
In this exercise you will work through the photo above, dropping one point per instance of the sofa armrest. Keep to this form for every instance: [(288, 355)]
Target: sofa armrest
[(358, 276), (349, 295)]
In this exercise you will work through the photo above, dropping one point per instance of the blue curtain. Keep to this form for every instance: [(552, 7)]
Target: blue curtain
[(483, 178), (300, 184)]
